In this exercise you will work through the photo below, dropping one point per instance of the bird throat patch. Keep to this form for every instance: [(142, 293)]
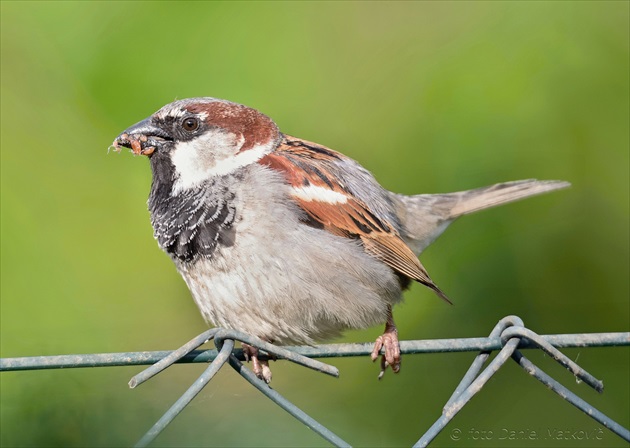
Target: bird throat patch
[(193, 223)]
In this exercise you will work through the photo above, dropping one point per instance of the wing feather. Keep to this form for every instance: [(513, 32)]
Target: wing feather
[(307, 167)]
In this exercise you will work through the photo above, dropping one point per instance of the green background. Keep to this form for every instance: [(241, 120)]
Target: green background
[(431, 97)]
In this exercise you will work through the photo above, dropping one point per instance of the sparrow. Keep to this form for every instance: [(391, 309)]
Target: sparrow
[(283, 238)]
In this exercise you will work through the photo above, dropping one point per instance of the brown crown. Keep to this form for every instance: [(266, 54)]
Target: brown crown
[(256, 128)]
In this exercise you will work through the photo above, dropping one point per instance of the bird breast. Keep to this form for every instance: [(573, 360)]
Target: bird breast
[(283, 280)]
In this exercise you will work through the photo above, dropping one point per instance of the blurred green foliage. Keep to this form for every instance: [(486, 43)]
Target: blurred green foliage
[(430, 96)]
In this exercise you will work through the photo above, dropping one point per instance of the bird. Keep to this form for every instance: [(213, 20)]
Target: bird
[(285, 239)]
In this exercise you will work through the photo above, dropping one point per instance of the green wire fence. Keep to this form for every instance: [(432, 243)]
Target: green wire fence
[(508, 337)]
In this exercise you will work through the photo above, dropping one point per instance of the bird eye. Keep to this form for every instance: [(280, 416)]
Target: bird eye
[(190, 124)]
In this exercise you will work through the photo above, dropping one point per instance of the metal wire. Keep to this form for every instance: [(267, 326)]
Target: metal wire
[(513, 334), (277, 352), (187, 397), (319, 351), (173, 357), (472, 383), (520, 333), (286, 404), (569, 396), (508, 336), (480, 360), (224, 341)]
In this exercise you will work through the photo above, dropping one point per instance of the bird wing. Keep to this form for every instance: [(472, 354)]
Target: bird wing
[(309, 169)]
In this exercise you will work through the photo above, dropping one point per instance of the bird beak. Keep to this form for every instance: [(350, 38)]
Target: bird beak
[(142, 138)]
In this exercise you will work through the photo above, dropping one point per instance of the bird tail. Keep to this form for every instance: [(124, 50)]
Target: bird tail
[(481, 198), (426, 216)]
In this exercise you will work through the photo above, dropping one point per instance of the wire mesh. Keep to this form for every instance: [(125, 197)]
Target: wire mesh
[(509, 336)]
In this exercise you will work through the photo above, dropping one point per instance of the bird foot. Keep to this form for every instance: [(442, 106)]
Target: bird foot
[(259, 367), (389, 341)]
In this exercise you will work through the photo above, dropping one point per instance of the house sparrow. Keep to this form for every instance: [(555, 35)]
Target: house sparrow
[(285, 239)]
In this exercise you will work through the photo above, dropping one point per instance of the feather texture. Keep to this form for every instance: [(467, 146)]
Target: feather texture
[(332, 206)]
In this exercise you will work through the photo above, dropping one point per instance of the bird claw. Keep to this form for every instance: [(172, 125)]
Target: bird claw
[(259, 367), (388, 341)]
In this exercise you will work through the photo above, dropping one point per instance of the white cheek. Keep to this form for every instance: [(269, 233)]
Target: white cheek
[(212, 154)]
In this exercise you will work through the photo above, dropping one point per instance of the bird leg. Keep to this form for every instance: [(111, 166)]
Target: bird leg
[(260, 367), (389, 341)]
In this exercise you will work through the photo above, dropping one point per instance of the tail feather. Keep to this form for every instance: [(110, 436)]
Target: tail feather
[(481, 198), (424, 217)]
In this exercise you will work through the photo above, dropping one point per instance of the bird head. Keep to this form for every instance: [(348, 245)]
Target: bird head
[(201, 137)]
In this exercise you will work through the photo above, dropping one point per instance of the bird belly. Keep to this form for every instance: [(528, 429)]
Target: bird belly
[(287, 282), (292, 296)]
